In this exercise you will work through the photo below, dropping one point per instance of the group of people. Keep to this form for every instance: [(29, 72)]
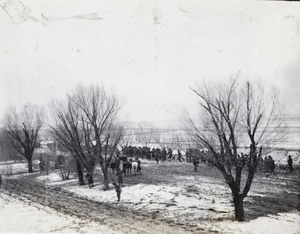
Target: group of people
[(269, 164), (163, 155), (156, 154), (127, 166)]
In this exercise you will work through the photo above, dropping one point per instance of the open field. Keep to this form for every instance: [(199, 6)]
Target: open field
[(167, 197)]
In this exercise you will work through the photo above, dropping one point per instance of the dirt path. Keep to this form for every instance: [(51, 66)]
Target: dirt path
[(116, 217)]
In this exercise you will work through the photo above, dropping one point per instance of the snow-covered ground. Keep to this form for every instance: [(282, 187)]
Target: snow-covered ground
[(274, 224), (20, 216), (177, 195), (171, 199)]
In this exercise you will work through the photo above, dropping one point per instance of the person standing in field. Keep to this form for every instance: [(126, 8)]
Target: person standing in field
[(179, 156), (118, 190), (188, 156), (170, 154), (164, 154), (139, 169), (156, 156), (290, 163), (120, 177), (196, 163)]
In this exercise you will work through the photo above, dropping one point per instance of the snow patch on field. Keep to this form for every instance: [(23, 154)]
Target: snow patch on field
[(23, 216), (280, 224), (171, 201)]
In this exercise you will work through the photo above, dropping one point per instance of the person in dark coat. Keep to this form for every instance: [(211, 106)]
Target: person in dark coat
[(179, 156), (164, 154), (188, 156), (290, 163), (272, 164), (118, 190), (120, 177), (156, 156), (196, 163), (139, 169), (90, 180), (170, 154)]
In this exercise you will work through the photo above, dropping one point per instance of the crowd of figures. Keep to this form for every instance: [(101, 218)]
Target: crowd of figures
[(125, 166), (156, 154), (194, 156), (267, 165), (127, 161)]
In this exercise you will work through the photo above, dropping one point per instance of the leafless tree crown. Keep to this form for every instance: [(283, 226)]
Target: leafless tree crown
[(235, 118)]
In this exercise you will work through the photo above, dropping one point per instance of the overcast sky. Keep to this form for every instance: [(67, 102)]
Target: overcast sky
[(148, 52)]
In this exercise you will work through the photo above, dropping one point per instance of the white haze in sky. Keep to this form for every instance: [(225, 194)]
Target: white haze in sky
[(148, 52)]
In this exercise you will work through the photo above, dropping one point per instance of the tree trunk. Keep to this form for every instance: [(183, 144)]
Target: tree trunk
[(80, 173), (239, 208), (47, 164), (90, 178), (29, 160), (105, 179)]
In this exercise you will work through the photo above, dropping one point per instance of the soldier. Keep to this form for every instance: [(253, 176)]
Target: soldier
[(120, 177), (188, 156), (139, 169), (153, 154), (196, 163), (290, 163), (164, 154), (42, 163), (170, 154), (90, 180), (118, 190), (156, 157), (179, 156)]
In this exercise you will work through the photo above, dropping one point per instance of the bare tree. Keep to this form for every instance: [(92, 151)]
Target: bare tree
[(23, 128), (99, 120), (86, 125), (67, 130), (235, 117)]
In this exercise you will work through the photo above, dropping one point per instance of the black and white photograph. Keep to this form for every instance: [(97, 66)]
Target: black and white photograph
[(149, 116)]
